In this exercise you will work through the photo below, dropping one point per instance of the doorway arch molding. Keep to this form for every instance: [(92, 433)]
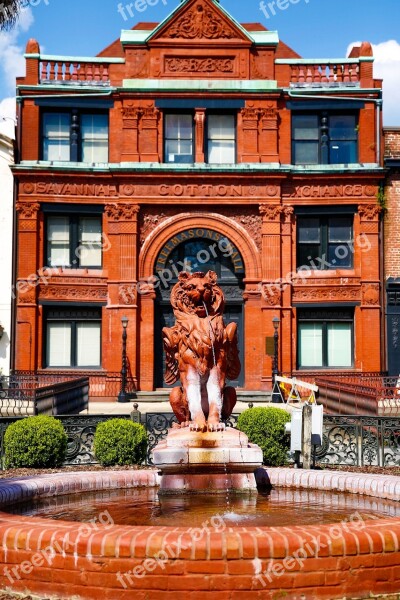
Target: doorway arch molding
[(234, 232)]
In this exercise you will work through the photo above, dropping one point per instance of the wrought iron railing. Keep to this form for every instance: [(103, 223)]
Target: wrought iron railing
[(360, 441), (352, 393), (347, 440), (25, 395)]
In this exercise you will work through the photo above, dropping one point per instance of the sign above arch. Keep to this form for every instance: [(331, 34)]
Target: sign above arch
[(216, 241)]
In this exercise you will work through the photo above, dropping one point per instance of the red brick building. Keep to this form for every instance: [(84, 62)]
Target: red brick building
[(391, 199), (199, 142)]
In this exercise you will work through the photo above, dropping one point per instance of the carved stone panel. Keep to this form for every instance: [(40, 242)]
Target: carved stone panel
[(199, 65), (324, 294), (53, 292), (201, 22), (370, 294)]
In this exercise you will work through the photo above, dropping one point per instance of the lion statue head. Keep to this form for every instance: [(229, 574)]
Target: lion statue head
[(198, 294)]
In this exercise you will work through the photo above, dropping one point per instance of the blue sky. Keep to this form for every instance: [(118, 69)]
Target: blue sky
[(314, 28)]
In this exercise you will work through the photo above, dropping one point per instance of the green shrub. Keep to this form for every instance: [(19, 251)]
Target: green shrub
[(37, 442), (120, 442), (266, 427)]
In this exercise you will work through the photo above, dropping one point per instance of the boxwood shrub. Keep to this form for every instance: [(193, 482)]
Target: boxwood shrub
[(266, 427), (36, 442), (120, 442)]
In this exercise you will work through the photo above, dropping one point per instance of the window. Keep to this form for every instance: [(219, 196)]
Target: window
[(56, 136), (73, 338), (221, 139), (74, 136), (325, 338), (94, 138), (325, 242), (324, 139), (74, 241), (179, 138)]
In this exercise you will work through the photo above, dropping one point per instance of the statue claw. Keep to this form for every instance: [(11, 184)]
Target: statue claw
[(215, 426), (197, 426)]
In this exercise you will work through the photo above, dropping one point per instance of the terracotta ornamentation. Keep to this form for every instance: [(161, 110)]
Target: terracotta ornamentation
[(202, 352), (201, 22), (27, 210)]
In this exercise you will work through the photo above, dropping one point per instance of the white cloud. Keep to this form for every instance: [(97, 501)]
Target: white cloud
[(11, 52), (387, 67)]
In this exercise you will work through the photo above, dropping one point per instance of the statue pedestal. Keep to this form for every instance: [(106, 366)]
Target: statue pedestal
[(210, 463)]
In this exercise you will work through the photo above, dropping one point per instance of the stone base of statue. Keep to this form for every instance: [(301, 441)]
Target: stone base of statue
[(207, 463)]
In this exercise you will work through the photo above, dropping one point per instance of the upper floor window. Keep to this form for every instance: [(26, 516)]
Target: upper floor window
[(74, 241), (74, 136), (221, 139), (325, 242), (324, 139), (180, 138)]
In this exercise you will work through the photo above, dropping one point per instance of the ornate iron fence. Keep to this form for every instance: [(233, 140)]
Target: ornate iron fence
[(360, 441), (347, 440)]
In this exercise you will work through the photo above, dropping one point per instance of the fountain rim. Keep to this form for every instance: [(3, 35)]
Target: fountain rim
[(25, 488)]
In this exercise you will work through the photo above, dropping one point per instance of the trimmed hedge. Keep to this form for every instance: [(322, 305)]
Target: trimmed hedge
[(120, 442), (266, 428), (35, 442)]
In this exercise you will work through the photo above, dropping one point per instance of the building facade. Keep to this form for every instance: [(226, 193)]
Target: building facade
[(6, 261), (199, 143), (391, 199)]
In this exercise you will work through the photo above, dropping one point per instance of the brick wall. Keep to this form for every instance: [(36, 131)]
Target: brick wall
[(392, 217)]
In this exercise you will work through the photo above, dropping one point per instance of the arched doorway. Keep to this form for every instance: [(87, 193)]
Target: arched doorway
[(198, 249)]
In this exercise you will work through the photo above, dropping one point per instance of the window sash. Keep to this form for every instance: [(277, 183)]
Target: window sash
[(178, 137), (342, 139), (88, 344), (58, 242), (333, 244), (310, 344), (72, 342), (74, 241), (59, 344), (221, 143), (325, 344), (94, 138)]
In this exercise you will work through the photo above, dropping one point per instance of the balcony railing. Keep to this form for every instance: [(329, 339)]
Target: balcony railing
[(323, 73), (76, 70)]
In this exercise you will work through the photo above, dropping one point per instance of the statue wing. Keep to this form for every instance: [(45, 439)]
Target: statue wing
[(233, 361), (171, 374)]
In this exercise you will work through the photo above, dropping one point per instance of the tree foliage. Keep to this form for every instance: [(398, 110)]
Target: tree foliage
[(9, 12)]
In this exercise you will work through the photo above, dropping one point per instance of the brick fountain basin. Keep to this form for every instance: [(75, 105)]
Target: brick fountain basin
[(69, 559)]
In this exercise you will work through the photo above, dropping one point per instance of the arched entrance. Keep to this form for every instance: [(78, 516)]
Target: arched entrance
[(197, 249)]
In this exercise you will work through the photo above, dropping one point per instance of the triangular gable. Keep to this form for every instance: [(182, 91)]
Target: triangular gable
[(203, 20)]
